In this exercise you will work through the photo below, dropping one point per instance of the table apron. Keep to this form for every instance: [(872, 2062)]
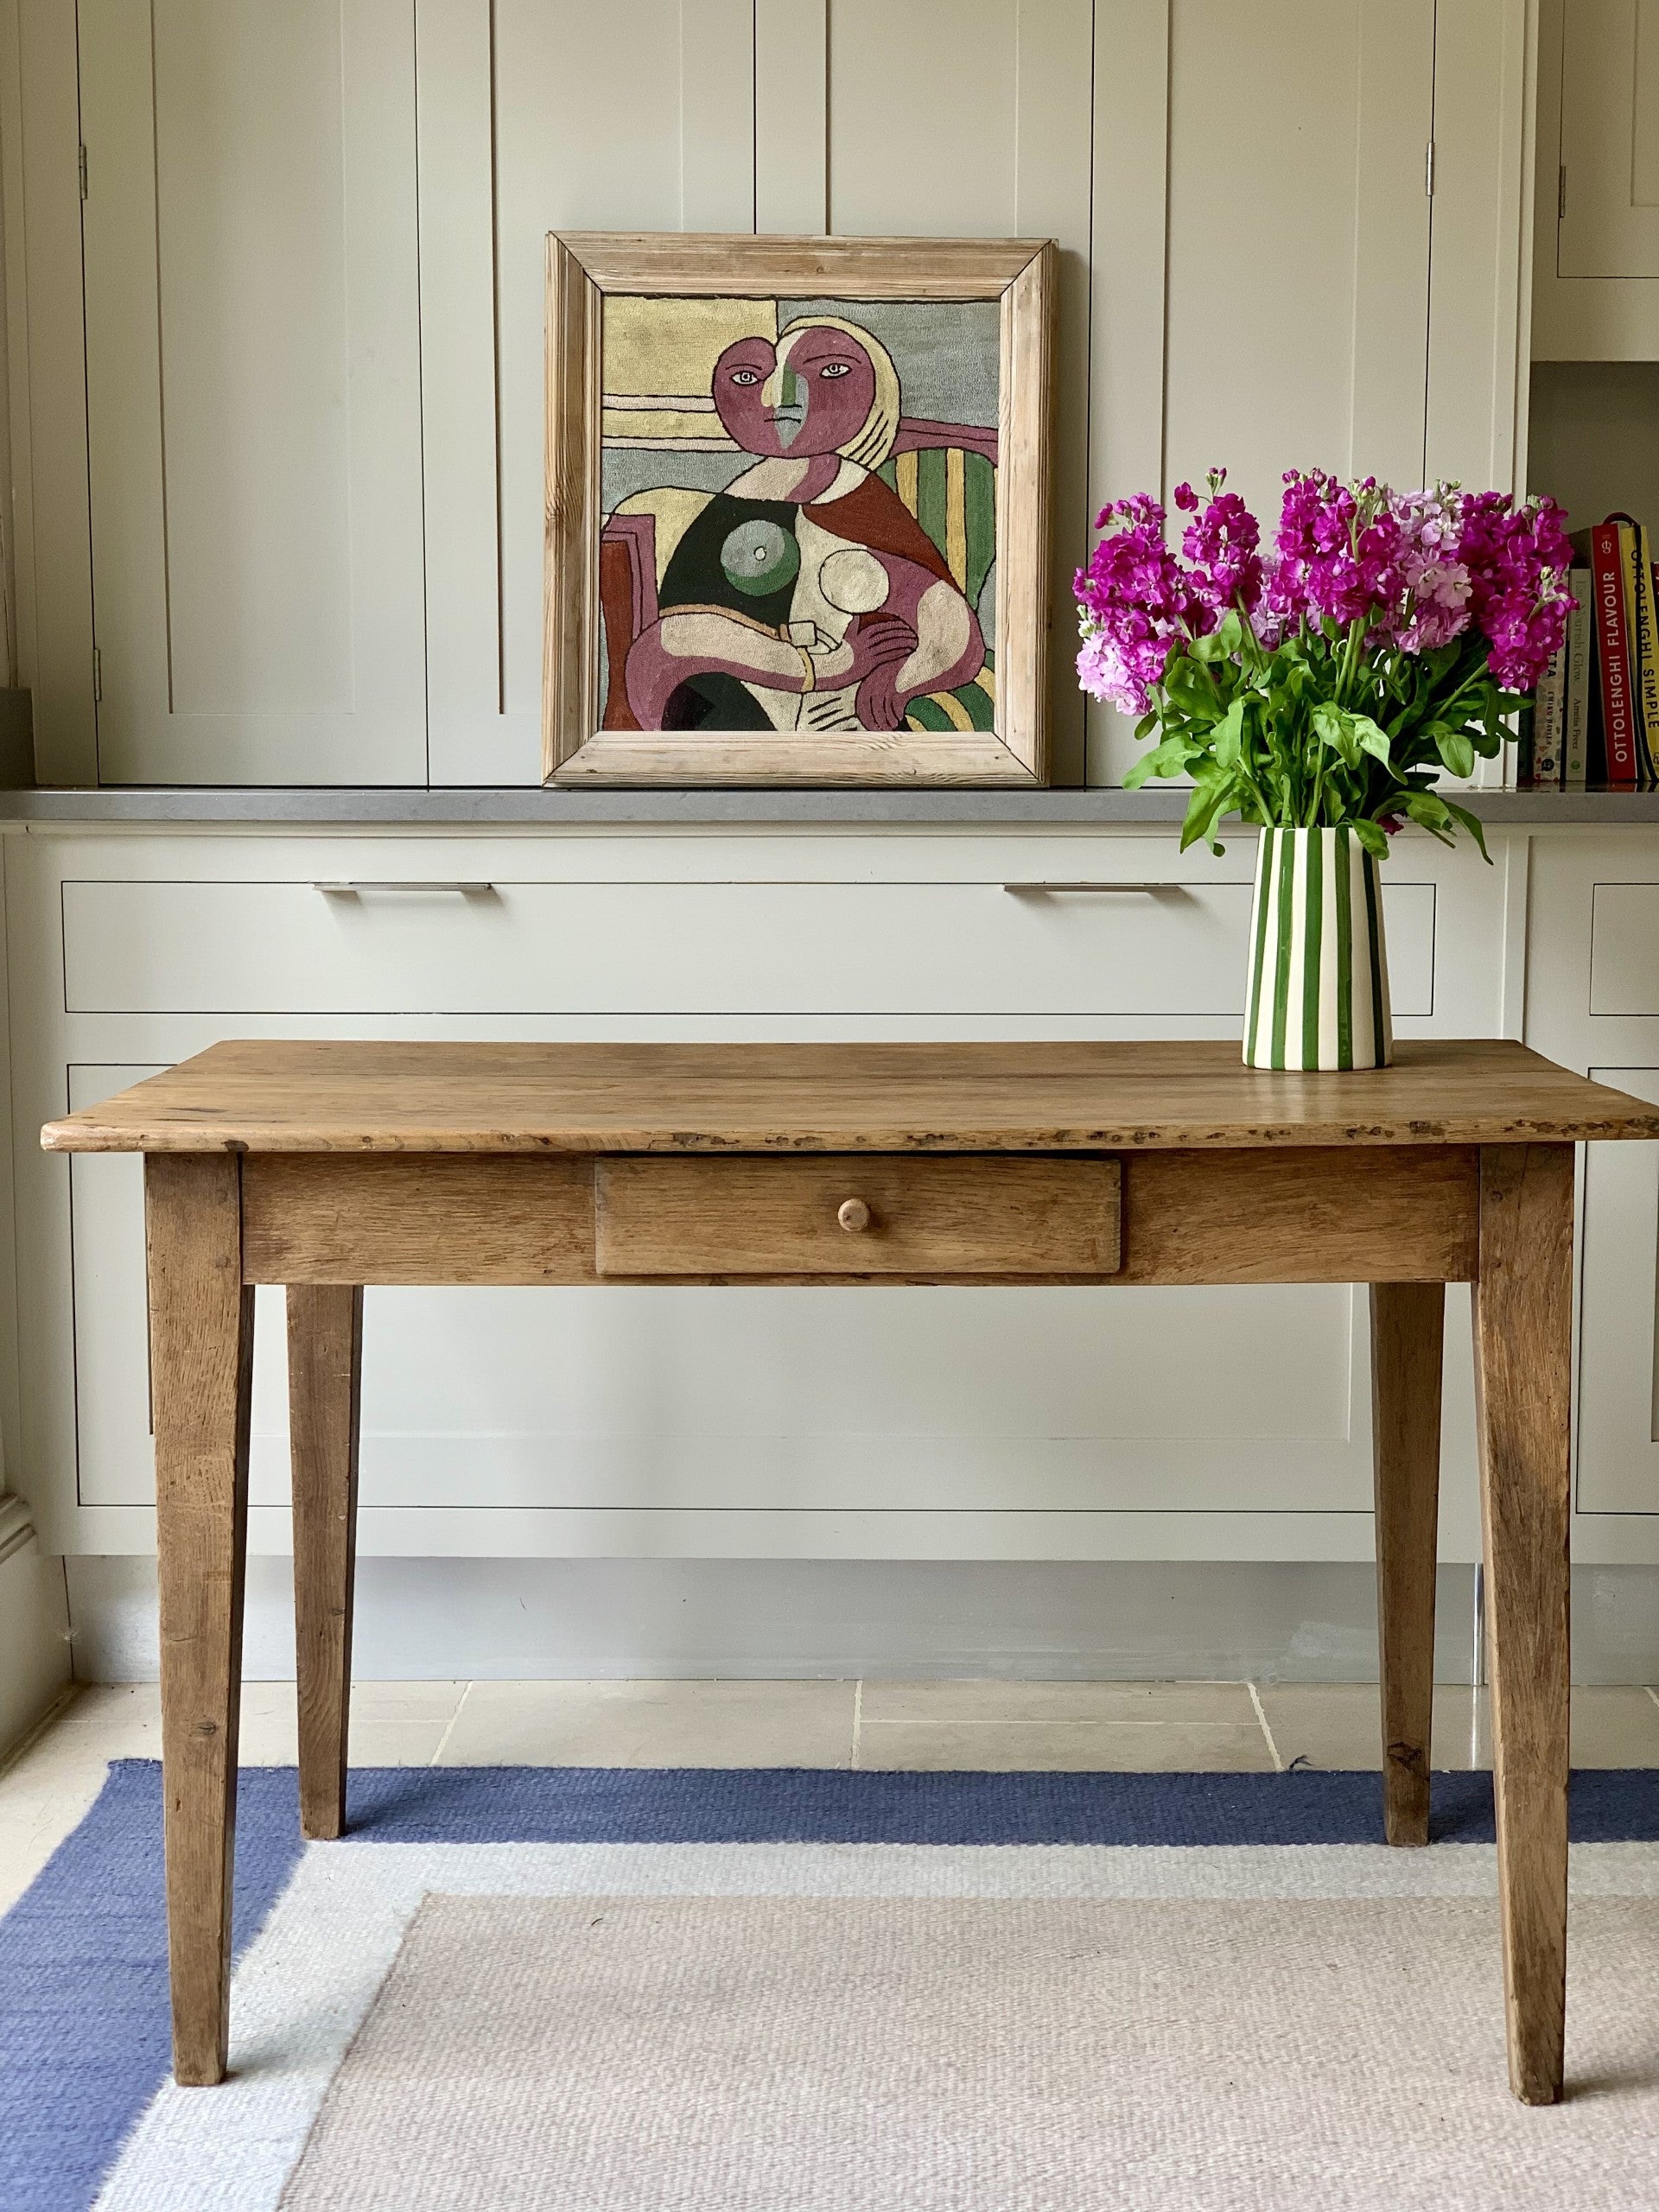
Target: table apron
[(1356, 1213)]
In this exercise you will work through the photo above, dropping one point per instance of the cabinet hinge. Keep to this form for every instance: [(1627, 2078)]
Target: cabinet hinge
[(1428, 169), (98, 675), (83, 168), (1561, 193)]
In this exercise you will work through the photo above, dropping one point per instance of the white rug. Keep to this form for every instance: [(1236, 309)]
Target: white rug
[(823, 2027)]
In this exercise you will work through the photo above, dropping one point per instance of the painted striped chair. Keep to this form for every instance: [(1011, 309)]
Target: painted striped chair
[(945, 473)]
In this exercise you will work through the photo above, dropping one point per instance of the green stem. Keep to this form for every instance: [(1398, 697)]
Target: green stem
[(1319, 792)]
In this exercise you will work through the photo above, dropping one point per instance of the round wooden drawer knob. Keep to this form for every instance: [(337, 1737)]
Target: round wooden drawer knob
[(852, 1215)]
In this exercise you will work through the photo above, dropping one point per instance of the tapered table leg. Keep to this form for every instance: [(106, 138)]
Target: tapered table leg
[(201, 1350), (1408, 1334), (325, 1369), (1523, 1326)]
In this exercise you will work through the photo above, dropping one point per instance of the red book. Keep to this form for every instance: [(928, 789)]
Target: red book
[(1612, 628)]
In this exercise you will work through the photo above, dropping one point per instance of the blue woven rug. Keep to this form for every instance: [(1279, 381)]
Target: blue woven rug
[(83, 1983)]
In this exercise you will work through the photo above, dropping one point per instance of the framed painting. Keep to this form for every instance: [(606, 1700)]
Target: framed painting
[(796, 510)]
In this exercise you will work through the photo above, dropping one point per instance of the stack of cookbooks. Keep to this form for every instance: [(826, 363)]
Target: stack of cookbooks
[(1593, 723)]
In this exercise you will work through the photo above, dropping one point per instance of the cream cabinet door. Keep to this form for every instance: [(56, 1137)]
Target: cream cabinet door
[(1609, 193), (1260, 290), (1595, 246), (1297, 249), (1618, 1375), (1592, 1004), (539, 116), (253, 390)]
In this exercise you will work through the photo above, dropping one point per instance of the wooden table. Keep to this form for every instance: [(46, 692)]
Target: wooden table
[(325, 1167)]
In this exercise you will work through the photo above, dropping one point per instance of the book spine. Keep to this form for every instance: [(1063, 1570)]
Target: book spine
[(1548, 725), (1631, 567), (1645, 653), (1612, 656), (1579, 677)]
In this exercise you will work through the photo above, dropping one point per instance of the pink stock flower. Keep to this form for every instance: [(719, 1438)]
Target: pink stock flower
[(1418, 567), (1517, 559), (1222, 547), (1133, 601)]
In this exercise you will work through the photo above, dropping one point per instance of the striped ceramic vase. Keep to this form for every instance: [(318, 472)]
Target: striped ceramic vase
[(1318, 983)]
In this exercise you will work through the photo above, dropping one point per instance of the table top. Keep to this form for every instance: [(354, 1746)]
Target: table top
[(402, 1097)]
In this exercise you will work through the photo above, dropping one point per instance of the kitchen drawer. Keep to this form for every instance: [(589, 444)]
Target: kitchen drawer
[(1624, 948), (863, 1216), (741, 948)]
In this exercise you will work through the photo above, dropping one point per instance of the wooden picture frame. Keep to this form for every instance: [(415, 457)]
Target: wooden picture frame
[(580, 653)]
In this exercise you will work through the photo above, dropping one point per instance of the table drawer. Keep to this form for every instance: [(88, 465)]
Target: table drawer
[(862, 1215), (1142, 949)]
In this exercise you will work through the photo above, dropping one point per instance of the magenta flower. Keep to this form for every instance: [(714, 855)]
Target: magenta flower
[(1221, 546), (1517, 560), (1418, 568), (1134, 601), (1335, 676)]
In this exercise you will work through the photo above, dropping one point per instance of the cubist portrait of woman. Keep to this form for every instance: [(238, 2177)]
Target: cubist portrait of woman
[(800, 507)]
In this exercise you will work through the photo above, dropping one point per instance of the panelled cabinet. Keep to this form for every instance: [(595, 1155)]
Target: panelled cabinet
[(852, 1422), (275, 285), (1596, 291), (253, 390), (972, 1423), (1593, 1004)]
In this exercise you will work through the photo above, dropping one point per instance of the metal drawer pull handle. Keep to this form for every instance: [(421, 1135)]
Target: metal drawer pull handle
[(381, 883), (1147, 890), (852, 1215)]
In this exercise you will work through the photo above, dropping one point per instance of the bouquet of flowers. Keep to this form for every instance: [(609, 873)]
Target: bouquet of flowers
[(1325, 682)]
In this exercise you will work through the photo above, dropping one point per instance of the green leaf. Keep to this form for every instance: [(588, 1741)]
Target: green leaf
[(1472, 824), (1373, 836), (1228, 735), (1192, 689), (1373, 738), (1432, 814), (1457, 750), (1147, 724), (1212, 793), (1169, 759), (1336, 729)]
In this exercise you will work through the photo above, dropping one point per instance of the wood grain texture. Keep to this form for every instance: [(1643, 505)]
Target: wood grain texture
[(924, 1218), (713, 264), (920, 758), (1407, 1337), (436, 1218), (1385, 1214), (283, 1096), (325, 1381), (1523, 1334), (582, 268), (570, 625), (1025, 412), (1318, 1214), (201, 1354)]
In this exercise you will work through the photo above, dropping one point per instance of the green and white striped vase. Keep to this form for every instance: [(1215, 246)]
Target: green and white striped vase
[(1318, 982)]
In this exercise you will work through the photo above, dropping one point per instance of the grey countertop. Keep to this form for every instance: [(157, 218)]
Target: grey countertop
[(530, 806)]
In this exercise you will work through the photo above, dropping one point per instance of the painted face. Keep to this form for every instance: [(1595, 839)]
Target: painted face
[(811, 394)]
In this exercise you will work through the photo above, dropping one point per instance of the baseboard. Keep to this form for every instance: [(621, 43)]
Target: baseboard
[(659, 1619), (33, 1627)]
